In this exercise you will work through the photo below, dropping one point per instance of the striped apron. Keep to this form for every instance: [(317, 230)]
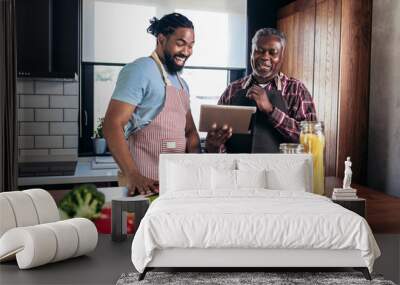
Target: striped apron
[(166, 133)]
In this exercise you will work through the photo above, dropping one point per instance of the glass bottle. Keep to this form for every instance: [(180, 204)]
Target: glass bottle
[(313, 139), (291, 148)]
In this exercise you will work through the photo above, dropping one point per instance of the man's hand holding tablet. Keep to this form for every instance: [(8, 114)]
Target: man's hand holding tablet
[(221, 121), (217, 136)]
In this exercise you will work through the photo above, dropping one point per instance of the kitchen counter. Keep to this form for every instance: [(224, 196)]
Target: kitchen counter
[(83, 174)]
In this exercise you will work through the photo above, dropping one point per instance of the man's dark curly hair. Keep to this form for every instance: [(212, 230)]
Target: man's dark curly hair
[(168, 24)]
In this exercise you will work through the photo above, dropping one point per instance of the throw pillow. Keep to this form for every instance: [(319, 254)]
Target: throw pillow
[(181, 177), (251, 178)]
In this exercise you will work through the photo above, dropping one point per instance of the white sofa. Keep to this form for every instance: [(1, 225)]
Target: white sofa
[(31, 231), (247, 210)]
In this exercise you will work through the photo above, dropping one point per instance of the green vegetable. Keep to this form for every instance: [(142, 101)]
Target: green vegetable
[(152, 197), (82, 201)]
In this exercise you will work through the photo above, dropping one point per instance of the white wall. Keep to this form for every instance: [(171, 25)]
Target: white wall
[(384, 117)]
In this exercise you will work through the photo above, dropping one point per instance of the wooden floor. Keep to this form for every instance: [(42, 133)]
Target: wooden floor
[(383, 211), (104, 265), (110, 259)]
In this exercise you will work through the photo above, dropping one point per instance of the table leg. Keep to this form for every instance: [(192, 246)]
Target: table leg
[(117, 222)]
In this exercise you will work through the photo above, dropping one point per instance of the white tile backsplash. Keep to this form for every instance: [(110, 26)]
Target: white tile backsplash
[(70, 115), (64, 151), (48, 141), (65, 128), (33, 128), (47, 120), (49, 87), (49, 115), (25, 142), (71, 141), (33, 101), (26, 115), (64, 102), (34, 152), (25, 87), (71, 88)]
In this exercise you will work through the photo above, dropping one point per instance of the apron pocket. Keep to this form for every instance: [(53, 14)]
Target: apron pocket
[(173, 145)]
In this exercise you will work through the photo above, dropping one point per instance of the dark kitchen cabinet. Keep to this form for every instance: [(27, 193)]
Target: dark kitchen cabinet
[(47, 38)]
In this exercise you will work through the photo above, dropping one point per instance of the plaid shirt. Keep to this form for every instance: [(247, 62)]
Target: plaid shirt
[(298, 100)]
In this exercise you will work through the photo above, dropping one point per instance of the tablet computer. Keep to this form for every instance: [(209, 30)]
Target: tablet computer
[(237, 117)]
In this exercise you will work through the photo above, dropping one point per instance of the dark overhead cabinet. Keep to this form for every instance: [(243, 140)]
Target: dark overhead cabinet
[(47, 38)]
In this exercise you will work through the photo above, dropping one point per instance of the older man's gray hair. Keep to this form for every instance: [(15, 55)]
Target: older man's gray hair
[(265, 32)]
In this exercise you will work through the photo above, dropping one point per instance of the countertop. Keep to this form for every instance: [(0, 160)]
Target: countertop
[(83, 174)]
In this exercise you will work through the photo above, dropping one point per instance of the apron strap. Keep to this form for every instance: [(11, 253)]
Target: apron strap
[(180, 82), (164, 73)]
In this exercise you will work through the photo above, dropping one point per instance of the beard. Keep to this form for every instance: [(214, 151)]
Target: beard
[(263, 70), (172, 67)]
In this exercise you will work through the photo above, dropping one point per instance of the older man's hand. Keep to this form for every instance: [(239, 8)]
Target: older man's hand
[(217, 136), (259, 95)]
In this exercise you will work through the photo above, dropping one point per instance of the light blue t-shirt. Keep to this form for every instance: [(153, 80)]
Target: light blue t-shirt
[(140, 83)]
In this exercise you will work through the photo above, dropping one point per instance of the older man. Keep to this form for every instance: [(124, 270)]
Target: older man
[(282, 102)]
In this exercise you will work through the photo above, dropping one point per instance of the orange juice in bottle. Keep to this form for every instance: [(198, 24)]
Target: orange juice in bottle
[(313, 138)]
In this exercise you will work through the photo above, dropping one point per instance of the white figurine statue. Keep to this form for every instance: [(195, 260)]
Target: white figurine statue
[(347, 174)]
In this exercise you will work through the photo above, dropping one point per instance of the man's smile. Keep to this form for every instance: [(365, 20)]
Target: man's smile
[(180, 60), (264, 66)]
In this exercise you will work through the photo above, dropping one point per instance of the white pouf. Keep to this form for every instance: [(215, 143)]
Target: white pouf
[(31, 233), (87, 235), (45, 205), (67, 240), (23, 208), (40, 244), (7, 220), (33, 246)]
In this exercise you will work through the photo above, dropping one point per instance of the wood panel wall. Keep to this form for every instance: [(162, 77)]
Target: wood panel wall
[(326, 74), (329, 50), (299, 18), (355, 55)]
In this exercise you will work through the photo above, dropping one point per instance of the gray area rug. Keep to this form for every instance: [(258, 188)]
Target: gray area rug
[(233, 278)]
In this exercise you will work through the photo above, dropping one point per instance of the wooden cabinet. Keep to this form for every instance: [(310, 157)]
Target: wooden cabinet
[(328, 48), (357, 205)]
